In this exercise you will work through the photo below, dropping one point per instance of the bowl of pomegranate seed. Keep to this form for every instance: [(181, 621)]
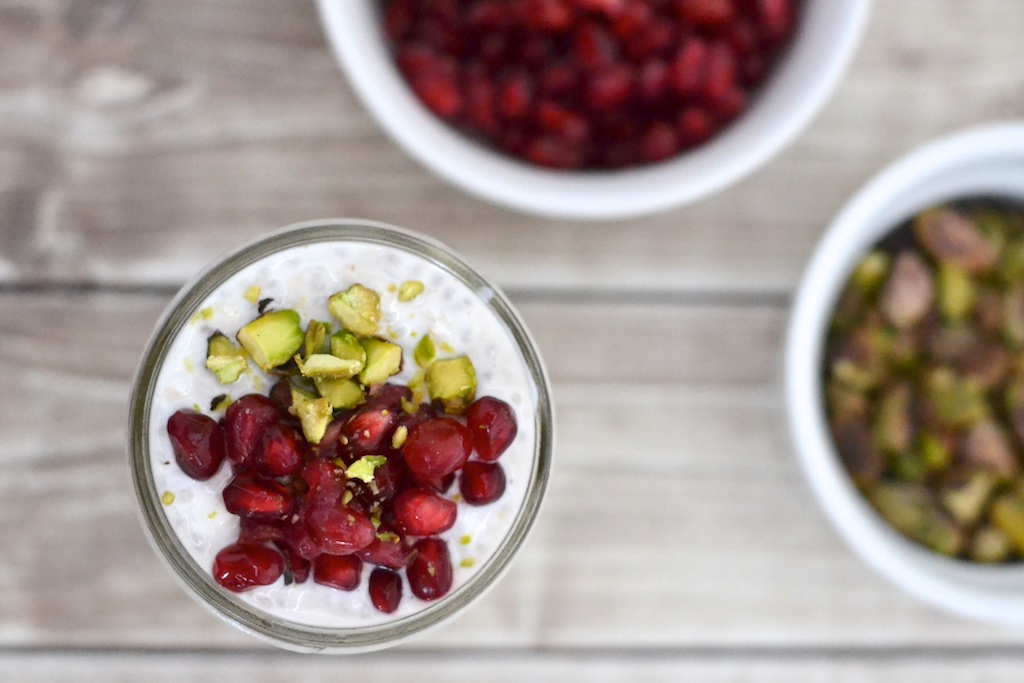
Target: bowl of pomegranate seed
[(593, 109), (340, 435), (903, 376)]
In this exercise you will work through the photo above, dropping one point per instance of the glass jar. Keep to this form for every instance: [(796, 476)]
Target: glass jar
[(299, 267)]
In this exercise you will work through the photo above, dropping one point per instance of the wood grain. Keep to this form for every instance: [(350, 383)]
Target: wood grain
[(139, 138), (673, 483)]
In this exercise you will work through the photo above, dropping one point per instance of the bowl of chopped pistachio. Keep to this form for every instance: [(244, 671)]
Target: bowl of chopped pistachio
[(904, 372)]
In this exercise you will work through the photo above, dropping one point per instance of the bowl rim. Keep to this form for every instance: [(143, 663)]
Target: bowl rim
[(984, 160), (761, 132)]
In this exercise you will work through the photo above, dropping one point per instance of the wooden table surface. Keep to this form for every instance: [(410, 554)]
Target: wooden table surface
[(140, 138)]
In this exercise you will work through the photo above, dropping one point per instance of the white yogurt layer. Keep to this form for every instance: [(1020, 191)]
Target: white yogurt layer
[(302, 278)]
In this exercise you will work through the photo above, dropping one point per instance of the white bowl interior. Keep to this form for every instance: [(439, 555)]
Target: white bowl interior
[(804, 78), (987, 161)]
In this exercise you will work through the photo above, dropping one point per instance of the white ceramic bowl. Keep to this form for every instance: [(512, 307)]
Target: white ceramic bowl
[(827, 35), (983, 161)]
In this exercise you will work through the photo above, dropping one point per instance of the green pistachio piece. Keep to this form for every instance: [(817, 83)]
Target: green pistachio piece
[(358, 309), (893, 428), (425, 352), (871, 272), (342, 394), (225, 360), (934, 452), (965, 497), (957, 402), (911, 509), (314, 413), (273, 338), (409, 290), (989, 545), (1007, 515), (383, 359), (1013, 316), (451, 382), (956, 293), (344, 345), (1011, 264), (327, 366), (363, 468), (316, 333)]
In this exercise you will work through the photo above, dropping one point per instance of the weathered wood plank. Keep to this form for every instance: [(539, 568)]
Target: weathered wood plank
[(676, 517), (137, 139)]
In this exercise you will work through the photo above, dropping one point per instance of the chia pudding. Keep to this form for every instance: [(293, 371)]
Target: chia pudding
[(423, 291)]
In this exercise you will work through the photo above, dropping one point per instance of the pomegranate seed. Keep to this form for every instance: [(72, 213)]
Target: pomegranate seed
[(489, 16), (297, 534), (198, 443), (439, 484), (340, 531), (296, 567), (712, 14), (247, 495), (558, 80), (430, 572), (563, 122), (515, 93), (482, 482), (281, 394), (260, 531), (245, 420), (388, 396), (659, 142), (493, 425), (611, 88), (281, 452), (652, 80), (609, 7), (241, 566), (437, 447), (776, 18), (415, 59), (385, 589), (592, 46), (388, 549), (544, 15), (658, 38), (695, 126), (325, 481), (422, 512), (368, 430), (719, 71), (481, 103), (399, 19), (439, 91), (729, 103), (338, 571), (634, 19), (687, 69)]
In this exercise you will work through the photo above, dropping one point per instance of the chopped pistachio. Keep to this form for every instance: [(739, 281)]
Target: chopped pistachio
[(425, 352), (409, 290), (273, 338), (957, 403), (452, 383), (344, 345), (167, 499), (314, 413), (1013, 316), (316, 334), (363, 468), (987, 447), (383, 359), (358, 309), (956, 293), (252, 295), (467, 562), (225, 360), (1008, 516), (399, 437), (342, 394), (465, 540), (893, 427), (966, 496), (871, 272), (989, 545), (327, 366)]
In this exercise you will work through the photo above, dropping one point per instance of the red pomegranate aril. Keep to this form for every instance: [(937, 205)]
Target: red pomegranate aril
[(688, 67), (489, 15), (493, 425), (554, 152), (296, 567), (439, 91), (247, 495), (611, 88), (712, 14), (728, 104), (340, 531), (198, 443), (609, 7), (656, 40), (437, 447), (481, 104), (634, 19), (652, 80), (260, 531), (422, 512), (338, 571), (297, 534), (695, 125), (281, 394), (385, 588), (416, 58), (399, 19), (389, 549), (245, 420), (776, 18), (430, 572), (326, 482), (563, 122), (543, 15), (241, 566), (367, 431), (515, 94), (719, 71), (281, 452), (482, 482), (593, 47), (659, 142), (558, 80)]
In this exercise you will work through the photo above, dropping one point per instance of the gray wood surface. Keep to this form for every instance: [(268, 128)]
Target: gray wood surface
[(138, 139)]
